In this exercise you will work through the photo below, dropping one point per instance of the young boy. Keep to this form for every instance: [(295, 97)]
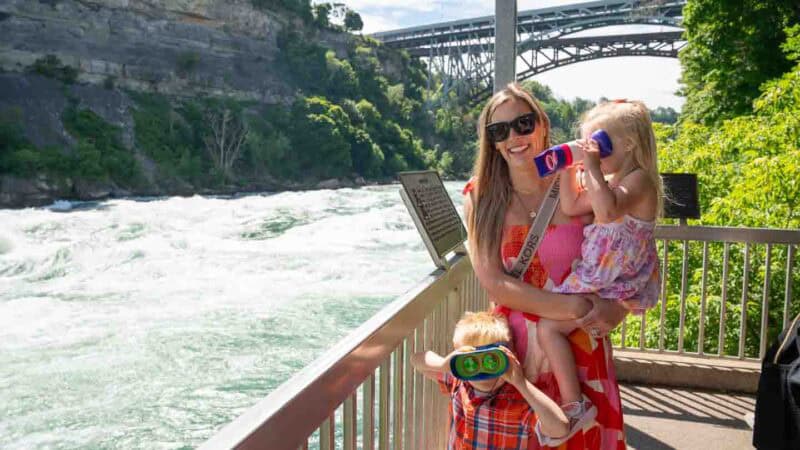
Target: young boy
[(509, 407)]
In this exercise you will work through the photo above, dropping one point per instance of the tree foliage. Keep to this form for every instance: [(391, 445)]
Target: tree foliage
[(352, 21), (747, 166), (733, 47), (748, 177)]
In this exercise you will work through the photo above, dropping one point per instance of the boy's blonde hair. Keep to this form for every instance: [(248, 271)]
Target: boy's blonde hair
[(632, 119), (481, 328)]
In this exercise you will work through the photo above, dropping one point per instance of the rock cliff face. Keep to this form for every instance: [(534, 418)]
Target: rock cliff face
[(180, 47), (183, 48)]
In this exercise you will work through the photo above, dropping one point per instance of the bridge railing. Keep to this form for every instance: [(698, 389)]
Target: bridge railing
[(363, 392)]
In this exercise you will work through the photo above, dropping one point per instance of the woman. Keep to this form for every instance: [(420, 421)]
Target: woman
[(502, 197)]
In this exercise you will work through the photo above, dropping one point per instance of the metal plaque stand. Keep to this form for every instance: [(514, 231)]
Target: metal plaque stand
[(434, 214)]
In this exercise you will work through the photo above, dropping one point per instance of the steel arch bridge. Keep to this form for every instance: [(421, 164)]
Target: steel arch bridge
[(461, 52)]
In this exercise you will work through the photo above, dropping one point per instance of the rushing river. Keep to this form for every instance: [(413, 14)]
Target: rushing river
[(150, 323)]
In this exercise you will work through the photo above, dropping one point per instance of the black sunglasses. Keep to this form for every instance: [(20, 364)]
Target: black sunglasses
[(499, 131)]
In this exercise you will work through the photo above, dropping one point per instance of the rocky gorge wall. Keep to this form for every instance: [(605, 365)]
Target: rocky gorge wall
[(184, 48), (181, 47)]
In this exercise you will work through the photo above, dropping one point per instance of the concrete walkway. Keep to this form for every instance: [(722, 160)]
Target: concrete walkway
[(673, 418)]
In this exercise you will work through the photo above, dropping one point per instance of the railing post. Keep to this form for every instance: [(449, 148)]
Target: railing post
[(383, 406), (410, 389), (665, 272), (505, 43), (349, 422), (762, 348), (327, 436), (787, 296), (397, 396), (702, 331), (684, 287), (368, 414), (724, 299), (743, 309)]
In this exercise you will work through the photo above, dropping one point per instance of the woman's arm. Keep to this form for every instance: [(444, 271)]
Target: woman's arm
[(516, 294)]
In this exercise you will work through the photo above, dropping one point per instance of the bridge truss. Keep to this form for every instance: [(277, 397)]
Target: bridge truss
[(460, 54)]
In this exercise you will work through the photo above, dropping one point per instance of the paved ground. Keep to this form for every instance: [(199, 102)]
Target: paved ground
[(671, 418)]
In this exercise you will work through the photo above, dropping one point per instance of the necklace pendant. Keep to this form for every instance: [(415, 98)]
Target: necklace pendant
[(533, 214)]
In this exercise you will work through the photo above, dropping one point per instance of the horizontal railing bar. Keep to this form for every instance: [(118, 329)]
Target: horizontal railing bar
[(286, 416), (728, 234), (693, 355)]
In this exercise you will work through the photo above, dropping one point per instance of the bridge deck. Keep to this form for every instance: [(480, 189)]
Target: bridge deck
[(674, 418)]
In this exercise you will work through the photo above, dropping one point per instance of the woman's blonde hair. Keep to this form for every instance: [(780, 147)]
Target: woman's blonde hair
[(632, 118), (490, 173), (481, 328)]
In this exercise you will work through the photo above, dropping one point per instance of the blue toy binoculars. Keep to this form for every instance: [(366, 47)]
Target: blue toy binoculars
[(564, 155)]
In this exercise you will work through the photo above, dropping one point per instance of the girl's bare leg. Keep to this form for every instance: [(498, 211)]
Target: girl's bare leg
[(552, 336)]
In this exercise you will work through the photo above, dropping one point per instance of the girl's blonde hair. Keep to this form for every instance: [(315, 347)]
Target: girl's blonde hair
[(632, 118), (490, 173), (481, 328)]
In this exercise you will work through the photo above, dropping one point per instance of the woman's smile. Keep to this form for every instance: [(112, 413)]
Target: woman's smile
[(519, 148)]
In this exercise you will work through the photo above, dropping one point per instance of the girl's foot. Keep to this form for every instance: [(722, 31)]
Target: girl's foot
[(579, 414)]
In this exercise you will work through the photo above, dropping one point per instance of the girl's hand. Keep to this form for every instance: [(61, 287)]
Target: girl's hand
[(591, 152), (514, 374), (604, 317)]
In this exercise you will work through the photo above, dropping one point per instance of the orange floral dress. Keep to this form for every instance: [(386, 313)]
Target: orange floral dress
[(558, 253)]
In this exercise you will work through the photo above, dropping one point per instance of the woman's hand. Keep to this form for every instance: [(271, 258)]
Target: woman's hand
[(580, 305), (604, 317)]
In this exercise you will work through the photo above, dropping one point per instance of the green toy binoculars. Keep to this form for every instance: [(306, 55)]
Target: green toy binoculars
[(483, 363)]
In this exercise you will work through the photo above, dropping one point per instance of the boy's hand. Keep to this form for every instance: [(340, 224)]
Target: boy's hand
[(514, 374), (451, 355)]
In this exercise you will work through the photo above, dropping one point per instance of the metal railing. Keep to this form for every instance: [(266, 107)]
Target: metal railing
[(368, 370), (366, 383), (734, 249)]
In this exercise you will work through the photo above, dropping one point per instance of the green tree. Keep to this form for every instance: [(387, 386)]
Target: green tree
[(320, 139), (352, 21), (322, 14), (733, 47), (342, 81), (664, 115), (100, 153)]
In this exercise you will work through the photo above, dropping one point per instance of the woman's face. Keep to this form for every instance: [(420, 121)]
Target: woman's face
[(518, 149)]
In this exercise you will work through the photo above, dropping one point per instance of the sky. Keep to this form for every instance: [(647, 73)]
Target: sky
[(653, 80)]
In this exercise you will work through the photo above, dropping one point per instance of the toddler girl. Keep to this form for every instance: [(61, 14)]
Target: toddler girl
[(619, 259)]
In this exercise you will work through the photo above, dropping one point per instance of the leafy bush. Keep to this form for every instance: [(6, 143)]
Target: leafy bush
[(187, 62), (50, 66), (302, 8), (169, 133), (100, 154)]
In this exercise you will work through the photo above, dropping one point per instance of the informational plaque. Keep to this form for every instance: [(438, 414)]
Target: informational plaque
[(433, 213), (680, 195)]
